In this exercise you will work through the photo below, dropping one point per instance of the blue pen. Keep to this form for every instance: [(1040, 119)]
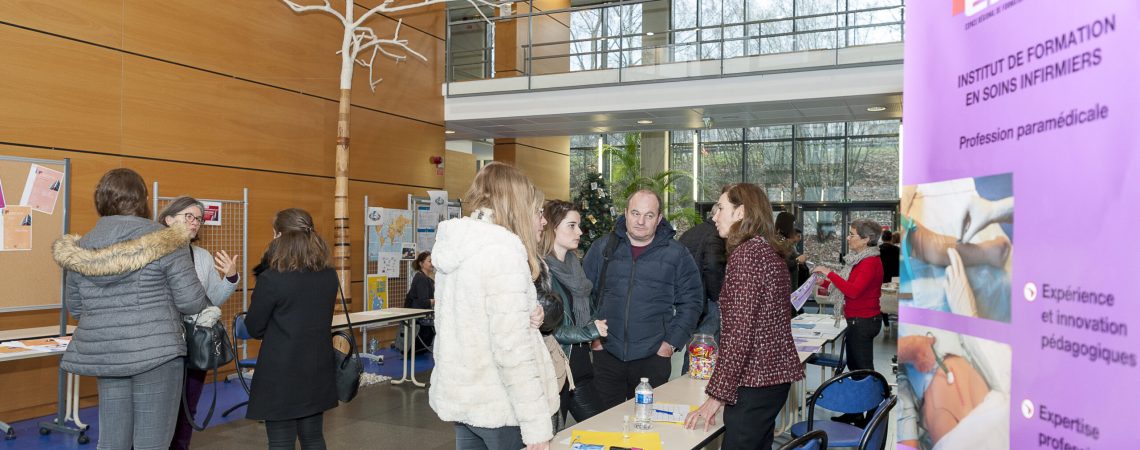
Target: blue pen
[(664, 412)]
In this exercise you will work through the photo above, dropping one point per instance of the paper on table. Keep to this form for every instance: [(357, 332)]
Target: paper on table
[(671, 412), (642, 440)]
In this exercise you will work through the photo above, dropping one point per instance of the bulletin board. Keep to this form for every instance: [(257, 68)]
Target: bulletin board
[(29, 276)]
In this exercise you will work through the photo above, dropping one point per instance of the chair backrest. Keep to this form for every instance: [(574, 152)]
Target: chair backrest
[(813, 440), (851, 392), (240, 331), (875, 435)]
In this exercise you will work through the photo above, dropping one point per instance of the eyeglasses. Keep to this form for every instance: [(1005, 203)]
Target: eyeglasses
[(191, 218)]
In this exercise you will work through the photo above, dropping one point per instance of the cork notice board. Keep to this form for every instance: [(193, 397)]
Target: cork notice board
[(30, 279)]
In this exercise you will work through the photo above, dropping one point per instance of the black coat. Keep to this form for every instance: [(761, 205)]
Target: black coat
[(889, 255), (292, 313), (708, 250)]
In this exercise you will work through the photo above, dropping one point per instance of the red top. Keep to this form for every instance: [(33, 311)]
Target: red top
[(637, 251), (756, 347), (862, 289)]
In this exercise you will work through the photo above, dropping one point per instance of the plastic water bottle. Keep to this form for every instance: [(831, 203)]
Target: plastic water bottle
[(643, 412)]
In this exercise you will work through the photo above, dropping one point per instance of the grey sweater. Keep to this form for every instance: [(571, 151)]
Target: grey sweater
[(129, 281)]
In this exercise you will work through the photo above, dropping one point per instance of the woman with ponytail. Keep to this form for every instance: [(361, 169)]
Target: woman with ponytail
[(290, 312)]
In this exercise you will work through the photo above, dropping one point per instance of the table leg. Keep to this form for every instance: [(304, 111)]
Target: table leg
[(409, 355)]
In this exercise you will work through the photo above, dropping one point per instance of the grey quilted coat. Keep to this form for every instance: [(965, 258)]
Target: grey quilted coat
[(129, 282)]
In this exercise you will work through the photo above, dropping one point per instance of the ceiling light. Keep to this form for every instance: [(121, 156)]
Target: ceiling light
[(876, 108), (448, 131), (649, 33), (645, 121)]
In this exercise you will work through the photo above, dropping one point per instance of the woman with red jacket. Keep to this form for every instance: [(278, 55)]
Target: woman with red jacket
[(758, 361), (857, 287)]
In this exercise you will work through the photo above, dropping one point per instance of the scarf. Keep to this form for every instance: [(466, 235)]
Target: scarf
[(571, 275), (849, 262)]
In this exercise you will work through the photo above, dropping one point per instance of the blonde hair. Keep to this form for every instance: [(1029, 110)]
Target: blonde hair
[(515, 202)]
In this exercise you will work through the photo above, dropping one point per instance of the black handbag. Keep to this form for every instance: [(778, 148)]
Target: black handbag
[(349, 368), (207, 348)]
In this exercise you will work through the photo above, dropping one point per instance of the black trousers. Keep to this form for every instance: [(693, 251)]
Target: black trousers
[(860, 342), (750, 423), (309, 430), (615, 380), (582, 402)]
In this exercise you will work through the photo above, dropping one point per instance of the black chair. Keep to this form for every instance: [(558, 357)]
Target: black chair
[(875, 435), (814, 440), (857, 391), (241, 333)]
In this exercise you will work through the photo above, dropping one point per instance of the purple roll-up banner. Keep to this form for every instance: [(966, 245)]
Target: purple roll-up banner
[(1016, 317)]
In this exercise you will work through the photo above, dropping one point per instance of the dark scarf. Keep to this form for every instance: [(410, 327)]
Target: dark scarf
[(573, 278)]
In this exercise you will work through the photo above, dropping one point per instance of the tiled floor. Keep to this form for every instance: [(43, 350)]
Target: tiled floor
[(383, 416)]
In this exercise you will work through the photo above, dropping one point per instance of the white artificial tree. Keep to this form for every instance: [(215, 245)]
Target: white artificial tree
[(359, 46)]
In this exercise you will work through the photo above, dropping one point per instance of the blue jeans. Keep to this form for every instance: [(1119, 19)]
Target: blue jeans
[(468, 437), (140, 410)]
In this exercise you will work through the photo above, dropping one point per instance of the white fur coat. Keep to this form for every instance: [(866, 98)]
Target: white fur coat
[(492, 368)]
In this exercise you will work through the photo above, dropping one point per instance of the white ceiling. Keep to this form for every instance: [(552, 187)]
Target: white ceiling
[(834, 109)]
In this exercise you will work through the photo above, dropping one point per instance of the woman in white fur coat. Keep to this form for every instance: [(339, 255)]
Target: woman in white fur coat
[(493, 374)]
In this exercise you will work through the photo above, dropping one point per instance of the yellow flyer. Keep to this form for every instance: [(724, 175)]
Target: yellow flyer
[(16, 228)]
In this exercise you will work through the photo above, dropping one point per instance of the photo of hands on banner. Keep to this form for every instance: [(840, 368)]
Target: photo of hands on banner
[(953, 390), (957, 246)]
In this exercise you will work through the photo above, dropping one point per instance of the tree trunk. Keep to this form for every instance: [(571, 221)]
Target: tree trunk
[(341, 250)]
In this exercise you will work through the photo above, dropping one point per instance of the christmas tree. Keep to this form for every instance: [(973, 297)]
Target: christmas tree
[(596, 205)]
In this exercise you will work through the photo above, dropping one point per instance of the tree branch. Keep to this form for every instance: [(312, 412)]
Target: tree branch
[(323, 8)]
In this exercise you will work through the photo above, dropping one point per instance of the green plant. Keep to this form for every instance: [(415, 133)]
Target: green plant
[(626, 176)]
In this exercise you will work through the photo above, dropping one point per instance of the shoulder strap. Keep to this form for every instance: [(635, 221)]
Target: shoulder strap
[(600, 283)]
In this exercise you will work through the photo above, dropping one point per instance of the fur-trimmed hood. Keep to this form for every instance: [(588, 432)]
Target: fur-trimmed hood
[(118, 245)]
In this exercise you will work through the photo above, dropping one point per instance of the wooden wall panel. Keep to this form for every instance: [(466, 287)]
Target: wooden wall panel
[(173, 113), (430, 20), (459, 172), (261, 40), (288, 50), (548, 168), (391, 149), (58, 93), (216, 98), (98, 21)]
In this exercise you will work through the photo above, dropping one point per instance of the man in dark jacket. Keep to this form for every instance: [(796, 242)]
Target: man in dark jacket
[(650, 294), (708, 250)]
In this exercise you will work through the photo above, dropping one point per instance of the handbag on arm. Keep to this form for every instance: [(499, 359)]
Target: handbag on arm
[(348, 366)]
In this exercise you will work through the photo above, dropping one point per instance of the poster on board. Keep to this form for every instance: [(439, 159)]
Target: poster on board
[(1014, 329), (16, 228), (212, 214), (377, 293), (41, 190)]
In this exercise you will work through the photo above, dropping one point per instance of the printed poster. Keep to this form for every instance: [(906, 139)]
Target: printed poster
[(1024, 346), (377, 293), (388, 265), (388, 231), (16, 228), (408, 251), (42, 188), (438, 202), (212, 215)]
